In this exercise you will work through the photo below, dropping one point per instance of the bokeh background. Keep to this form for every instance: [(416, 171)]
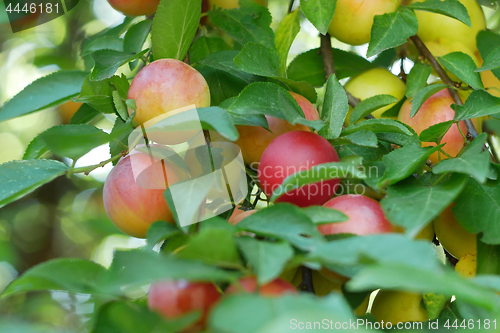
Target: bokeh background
[(66, 217)]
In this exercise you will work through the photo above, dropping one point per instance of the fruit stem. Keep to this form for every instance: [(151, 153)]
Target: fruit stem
[(424, 52), (307, 282)]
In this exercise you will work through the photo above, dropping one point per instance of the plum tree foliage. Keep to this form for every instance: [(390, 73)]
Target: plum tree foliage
[(405, 136)]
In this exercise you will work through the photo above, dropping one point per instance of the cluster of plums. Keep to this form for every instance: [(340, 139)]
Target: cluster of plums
[(166, 85)]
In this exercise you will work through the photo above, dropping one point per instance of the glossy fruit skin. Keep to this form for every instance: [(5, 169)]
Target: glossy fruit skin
[(135, 7), (353, 19), (442, 29), (229, 4), (274, 288), (365, 216), (398, 307), (452, 236), (254, 140), (490, 81), (174, 299), (133, 193), (467, 265), (166, 85), (376, 81), (293, 152), (67, 110), (436, 109)]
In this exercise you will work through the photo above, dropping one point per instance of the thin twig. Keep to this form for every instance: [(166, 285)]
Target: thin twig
[(307, 281), (424, 51), (290, 7)]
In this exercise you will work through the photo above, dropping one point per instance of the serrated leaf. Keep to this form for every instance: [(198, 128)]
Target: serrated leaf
[(174, 27), (403, 162), (258, 59), (224, 60), (491, 62), (367, 106), (422, 95), (267, 259), (284, 221), (215, 118), (477, 209), (359, 138), (136, 36), (72, 275), (335, 109), (84, 115), (44, 92), (450, 8), (320, 172), (378, 126), (222, 85), (108, 61), (413, 203), (74, 141), (321, 215), (478, 104), (392, 29), (18, 178), (35, 149), (462, 65), (302, 88), (159, 231), (487, 41), (284, 37), (474, 161), (417, 78), (204, 46), (436, 132), (249, 23), (319, 13)]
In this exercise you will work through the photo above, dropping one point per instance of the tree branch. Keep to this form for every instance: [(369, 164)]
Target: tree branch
[(424, 52), (307, 282)]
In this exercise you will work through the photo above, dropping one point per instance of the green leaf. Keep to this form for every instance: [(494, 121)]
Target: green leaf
[(321, 215), (215, 118), (107, 62), (134, 317), (249, 23), (120, 134), (258, 59), (378, 126), (204, 46), (392, 29), (319, 13), (450, 8), (474, 161), (434, 304), (224, 60), (214, 247), (335, 109), (413, 203), (488, 258), (422, 95), (403, 162), (318, 173), (160, 231), (102, 42), (97, 94), (435, 133), (44, 92), (308, 66), (478, 104), (417, 78), (136, 36), (350, 255), (74, 141), (302, 88), (251, 313), (487, 41), (359, 138), (72, 275), (18, 178), (286, 222), (140, 267), (222, 85), (415, 279), (284, 37), (462, 65), (174, 27), (85, 114), (367, 106), (477, 209), (491, 62), (270, 99), (35, 149), (267, 259)]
